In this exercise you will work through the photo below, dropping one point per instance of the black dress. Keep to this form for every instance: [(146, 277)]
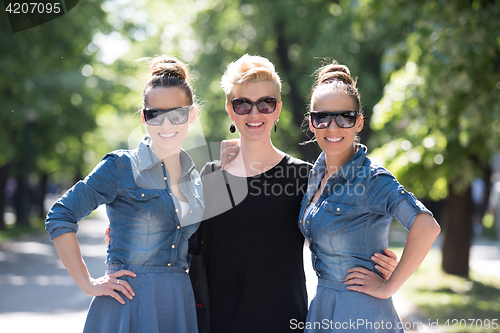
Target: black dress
[(254, 251)]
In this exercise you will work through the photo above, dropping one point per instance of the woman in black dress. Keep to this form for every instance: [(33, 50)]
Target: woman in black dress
[(250, 242)]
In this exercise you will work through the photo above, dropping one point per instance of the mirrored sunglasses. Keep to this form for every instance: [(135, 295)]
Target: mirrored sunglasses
[(343, 119), (177, 116), (244, 106)]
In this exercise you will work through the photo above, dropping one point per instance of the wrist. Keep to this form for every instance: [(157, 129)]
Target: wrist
[(391, 287), (86, 285)]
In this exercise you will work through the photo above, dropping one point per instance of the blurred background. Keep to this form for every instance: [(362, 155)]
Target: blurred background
[(428, 73)]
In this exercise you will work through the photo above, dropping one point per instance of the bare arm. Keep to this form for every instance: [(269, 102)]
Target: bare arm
[(421, 236), (68, 249)]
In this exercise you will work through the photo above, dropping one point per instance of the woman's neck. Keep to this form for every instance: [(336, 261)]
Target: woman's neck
[(335, 162), (171, 160), (255, 157)]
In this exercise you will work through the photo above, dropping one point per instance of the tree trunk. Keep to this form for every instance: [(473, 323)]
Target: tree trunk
[(297, 102), (4, 174), (458, 211)]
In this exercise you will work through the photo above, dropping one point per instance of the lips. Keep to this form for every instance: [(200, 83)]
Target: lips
[(334, 140), (168, 135), (257, 124)]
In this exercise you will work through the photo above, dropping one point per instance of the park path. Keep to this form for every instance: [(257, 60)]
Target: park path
[(38, 295)]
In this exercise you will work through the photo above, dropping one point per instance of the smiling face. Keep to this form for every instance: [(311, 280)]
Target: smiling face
[(336, 142), (255, 125), (166, 138)]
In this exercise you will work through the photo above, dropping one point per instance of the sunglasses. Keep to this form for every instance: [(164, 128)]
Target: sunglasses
[(177, 116), (343, 119), (244, 106)]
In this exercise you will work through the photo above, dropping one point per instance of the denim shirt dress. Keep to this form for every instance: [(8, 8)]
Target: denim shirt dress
[(347, 225), (149, 236)]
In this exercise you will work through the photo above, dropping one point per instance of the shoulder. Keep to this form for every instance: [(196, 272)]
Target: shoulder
[(209, 167), (376, 176), (118, 159), (121, 154), (293, 162)]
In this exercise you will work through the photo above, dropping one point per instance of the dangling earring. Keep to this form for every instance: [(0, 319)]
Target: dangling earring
[(232, 128), (276, 124)]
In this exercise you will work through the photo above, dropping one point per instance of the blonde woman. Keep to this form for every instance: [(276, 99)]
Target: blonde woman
[(249, 238)]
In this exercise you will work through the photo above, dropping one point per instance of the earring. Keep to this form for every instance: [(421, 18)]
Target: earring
[(232, 128), (276, 124)]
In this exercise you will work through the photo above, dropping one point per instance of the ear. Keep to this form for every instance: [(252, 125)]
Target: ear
[(278, 109), (229, 110), (360, 123), (142, 118), (311, 127), (193, 114)]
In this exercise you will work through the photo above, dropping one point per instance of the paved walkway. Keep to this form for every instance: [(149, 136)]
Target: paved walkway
[(38, 295)]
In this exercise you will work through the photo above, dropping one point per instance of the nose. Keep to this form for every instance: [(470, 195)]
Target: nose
[(333, 124), (254, 111), (166, 123)]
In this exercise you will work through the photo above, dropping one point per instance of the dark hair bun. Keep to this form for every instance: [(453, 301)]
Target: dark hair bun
[(168, 66), (335, 72)]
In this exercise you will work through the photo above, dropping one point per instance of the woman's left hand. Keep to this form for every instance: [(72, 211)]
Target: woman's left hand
[(365, 281), (385, 264)]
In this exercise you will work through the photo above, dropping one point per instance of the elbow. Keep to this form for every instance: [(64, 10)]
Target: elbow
[(436, 229), (429, 225), (433, 227)]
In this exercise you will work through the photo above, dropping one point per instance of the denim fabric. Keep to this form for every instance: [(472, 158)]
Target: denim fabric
[(145, 216), (336, 309), (350, 221), (164, 302)]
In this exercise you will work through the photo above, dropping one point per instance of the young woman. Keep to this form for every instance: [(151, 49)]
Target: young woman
[(249, 237), (346, 213), (154, 202)]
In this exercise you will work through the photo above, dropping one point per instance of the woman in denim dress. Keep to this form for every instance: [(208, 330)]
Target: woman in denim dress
[(154, 201), (346, 213)]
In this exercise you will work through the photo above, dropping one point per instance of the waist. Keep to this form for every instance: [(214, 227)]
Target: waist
[(332, 285), (144, 268)]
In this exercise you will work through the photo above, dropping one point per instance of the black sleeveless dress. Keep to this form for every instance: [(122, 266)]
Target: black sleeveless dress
[(253, 249)]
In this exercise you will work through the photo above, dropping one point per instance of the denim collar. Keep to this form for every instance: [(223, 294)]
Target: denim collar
[(148, 159), (348, 171)]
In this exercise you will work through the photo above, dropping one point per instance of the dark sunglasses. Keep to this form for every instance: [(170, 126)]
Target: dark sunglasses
[(343, 119), (244, 106), (177, 116)]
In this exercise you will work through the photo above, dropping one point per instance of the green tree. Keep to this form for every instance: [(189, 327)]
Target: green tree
[(51, 98), (438, 122)]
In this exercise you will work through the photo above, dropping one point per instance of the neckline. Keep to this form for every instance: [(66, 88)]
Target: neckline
[(262, 173)]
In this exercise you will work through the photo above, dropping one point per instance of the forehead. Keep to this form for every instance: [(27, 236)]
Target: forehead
[(333, 101), (166, 98), (256, 90)]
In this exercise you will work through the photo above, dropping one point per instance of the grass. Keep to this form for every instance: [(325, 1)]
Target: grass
[(443, 297)]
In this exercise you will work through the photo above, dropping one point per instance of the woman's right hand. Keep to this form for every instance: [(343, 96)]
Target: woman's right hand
[(229, 149), (107, 238), (109, 285)]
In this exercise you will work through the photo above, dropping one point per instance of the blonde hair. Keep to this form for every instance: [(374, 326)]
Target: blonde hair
[(249, 69)]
